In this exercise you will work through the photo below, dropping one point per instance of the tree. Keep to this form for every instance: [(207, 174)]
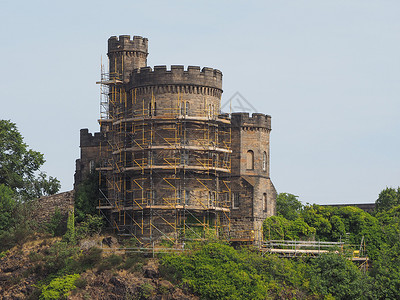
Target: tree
[(387, 199), (288, 206), (7, 205), (19, 164), (87, 197), (332, 274)]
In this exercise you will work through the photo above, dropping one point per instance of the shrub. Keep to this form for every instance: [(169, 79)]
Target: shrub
[(91, 257), (56, 226), (110, 262), (59, 287)]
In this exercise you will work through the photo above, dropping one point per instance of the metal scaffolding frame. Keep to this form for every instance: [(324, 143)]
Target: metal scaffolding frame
[(164, 173)]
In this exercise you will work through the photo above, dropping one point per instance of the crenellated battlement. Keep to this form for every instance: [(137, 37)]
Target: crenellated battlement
[(89, 140), (257, 120), (126, 43), (176, 75)]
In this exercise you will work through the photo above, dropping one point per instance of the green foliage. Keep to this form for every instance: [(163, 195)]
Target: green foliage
[(7, 205), (217, 271), (279, 228), (41, 186), (19, 164), (70, 236), (288, 206), (60, 259), (93, 224), (387, 199), (59, 287), (332, 274), (91, 257), (56, 225), (110, 262), (87, 197), (20, 226)]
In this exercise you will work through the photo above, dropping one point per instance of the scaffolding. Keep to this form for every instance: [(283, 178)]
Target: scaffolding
[(165, 169)]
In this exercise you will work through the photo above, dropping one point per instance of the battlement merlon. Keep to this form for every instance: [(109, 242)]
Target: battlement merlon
[(89, 140), (125, 43), (177, 75), (258, 120)]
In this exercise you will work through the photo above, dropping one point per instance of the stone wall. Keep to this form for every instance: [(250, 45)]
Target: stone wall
[(45, 207)]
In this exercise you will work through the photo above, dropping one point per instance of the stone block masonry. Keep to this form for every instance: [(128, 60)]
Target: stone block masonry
[(171, 165), (45, 207)]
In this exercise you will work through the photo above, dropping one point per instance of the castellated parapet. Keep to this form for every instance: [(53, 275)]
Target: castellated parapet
[(257, 120), (177, 75), (172, 166)]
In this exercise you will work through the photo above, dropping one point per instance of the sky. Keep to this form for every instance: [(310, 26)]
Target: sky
[(328, 72)]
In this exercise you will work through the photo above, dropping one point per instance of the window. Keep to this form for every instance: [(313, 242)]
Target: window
[(155, 109), (184, 157), (91, 166), (250, 160), (264, 162), (149, 110), (235, 200), (187, 197), (149, 158), (187, 107), (265, 202), (212, 198)]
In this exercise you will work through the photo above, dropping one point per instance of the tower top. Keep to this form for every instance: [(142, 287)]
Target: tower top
[(125, 43)]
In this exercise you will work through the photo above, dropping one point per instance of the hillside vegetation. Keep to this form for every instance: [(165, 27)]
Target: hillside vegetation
[(81, 260)]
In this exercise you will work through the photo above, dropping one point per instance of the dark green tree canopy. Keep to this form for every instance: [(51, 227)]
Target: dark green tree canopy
[(387, 199), (288, 206), (19, 165)]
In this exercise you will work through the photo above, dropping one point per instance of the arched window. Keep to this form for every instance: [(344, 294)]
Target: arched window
[(250, 160), (265, 202), (264, 161)]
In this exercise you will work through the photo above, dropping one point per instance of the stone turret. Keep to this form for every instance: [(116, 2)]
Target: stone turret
[(126, 54), (253, 192)]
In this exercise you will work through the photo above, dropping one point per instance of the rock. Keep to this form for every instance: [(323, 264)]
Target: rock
[(109, 241)]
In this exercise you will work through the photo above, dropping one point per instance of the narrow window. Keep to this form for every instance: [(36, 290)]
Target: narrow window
[(182, 108), (265, 202), (91, 166), (178, 196), (235, 200), (149, 110), (187, 197), (184, 157), (187, 107), (264, 162), (155, 109), (212, 198), (250, 160)]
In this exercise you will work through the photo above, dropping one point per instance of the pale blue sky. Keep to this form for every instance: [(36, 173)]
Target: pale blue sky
[(327, 71)]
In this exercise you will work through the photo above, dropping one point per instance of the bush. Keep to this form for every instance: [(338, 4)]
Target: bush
[(92, 225), (92, 257), (110, 262), (331, 274), (59, 287), (56, 226)]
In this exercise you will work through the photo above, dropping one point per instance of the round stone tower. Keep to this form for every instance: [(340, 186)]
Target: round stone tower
[(167, 148)]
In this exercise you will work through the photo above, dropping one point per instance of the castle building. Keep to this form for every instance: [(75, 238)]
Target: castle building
[(171, 165)]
